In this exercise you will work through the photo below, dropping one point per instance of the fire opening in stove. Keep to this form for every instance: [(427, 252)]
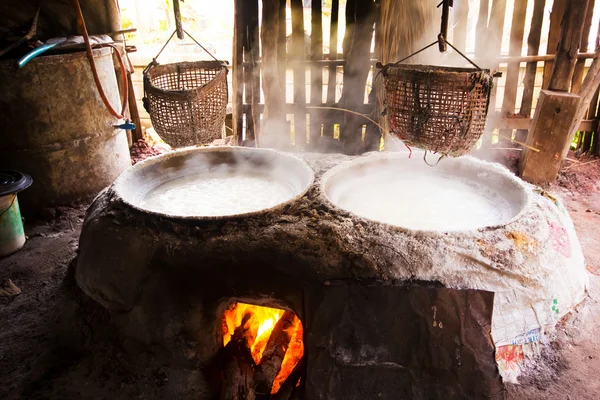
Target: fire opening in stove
[(274, 339)]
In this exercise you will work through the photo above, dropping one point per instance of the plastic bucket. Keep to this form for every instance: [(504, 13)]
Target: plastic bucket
[(12, 235)]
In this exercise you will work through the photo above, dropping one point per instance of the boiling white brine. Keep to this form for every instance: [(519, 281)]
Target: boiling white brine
[(217, 194), (426, 201)]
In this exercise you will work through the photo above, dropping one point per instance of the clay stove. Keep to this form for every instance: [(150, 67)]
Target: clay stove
[(353, 308)]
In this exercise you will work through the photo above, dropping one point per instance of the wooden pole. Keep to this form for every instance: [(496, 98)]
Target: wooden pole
[(459, 38), (316, 73), (568, 47), (373, 134), (359, 24), (512, 75), (558, 9), (238, 71), (252, 72), (481, 29), (273, 122), (580, 66), (496, 27), (282, 60), (332, 79), (593, 114), (136, 134), (298, 46), (533, 46), (556, 120)]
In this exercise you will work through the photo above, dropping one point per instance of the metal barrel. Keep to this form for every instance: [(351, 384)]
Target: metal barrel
[(56, 128)]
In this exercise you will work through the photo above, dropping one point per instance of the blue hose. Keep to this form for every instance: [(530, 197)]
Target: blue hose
[(34, 53)]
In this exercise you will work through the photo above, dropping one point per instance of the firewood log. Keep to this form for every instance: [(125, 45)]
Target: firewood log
[(272, 357), (288, 388), (238, 366)]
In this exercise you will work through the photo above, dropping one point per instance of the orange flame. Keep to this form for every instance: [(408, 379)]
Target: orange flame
[(259, 328)]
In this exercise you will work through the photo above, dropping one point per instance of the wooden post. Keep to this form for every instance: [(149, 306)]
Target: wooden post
[(533, 46), (496, 26), (593, 114), (252, 71), (568, 47), (273, 121), (550, 134), (595, 149), (491, 45), (373, 134), (558, 10), (583, 45), (481, 29), (359, 23), (238, 71), (556, 120), (282, 60), (512, 75), (298, 45), (461, 20), (316, 73), (332, 80), (136, 134)]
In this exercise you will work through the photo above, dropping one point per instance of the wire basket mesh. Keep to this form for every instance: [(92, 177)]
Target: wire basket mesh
[(187, 101), (440, 109)]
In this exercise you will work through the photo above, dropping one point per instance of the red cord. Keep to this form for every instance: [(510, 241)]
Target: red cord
[(86, 39), (409, 150), (124, 80)]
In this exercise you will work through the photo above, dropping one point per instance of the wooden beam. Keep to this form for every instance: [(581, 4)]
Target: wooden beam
[(558, 10), (533, 46), (568, 46), (498, 121), (498, 60), (549, 133)]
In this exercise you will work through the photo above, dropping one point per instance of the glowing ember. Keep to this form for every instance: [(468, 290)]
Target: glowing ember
[(259, 325)]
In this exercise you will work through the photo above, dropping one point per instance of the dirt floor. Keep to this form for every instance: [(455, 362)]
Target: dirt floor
[(33, 364)]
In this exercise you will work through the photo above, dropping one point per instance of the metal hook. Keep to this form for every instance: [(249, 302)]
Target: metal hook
[(432, 165)]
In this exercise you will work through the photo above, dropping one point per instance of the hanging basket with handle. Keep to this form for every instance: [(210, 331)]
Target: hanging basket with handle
[(187, 101), (439, 109)]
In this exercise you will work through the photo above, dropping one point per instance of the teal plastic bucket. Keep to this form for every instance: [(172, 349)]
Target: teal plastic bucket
[(12, 235)]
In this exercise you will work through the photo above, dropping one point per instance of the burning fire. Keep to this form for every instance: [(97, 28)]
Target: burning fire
[(259, 323)]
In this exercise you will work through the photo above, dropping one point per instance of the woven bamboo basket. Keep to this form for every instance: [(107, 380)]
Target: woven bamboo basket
[(439, 109), (187, 101)]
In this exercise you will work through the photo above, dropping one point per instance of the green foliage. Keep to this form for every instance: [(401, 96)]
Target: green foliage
[(162, 25), (575, 140)]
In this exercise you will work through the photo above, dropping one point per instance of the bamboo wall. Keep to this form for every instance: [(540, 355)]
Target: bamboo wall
[(313, 77)]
